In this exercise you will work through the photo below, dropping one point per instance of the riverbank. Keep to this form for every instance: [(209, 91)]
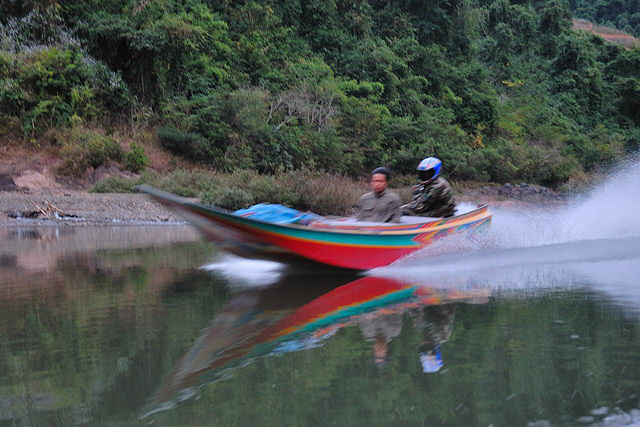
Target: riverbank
[(31, 192), (81, 208), (78, 208)]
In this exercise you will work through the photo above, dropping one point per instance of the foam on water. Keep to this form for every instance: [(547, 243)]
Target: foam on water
[(245, 273)]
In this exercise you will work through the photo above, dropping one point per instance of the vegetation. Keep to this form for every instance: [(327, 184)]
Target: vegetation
[(135, 160), (303, 190), (82, 148), (500, 90)]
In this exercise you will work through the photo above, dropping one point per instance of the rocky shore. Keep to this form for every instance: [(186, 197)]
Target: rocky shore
[(509, 193), (76, 208), (81, 208)]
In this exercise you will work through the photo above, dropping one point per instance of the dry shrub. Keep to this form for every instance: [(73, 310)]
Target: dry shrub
[(182, 182), (305, 190), (324, 193)]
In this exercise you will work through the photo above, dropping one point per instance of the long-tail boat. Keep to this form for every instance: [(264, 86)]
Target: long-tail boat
[(339, 243)]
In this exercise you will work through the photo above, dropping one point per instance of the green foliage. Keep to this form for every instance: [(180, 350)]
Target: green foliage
[(190, 145), (337, 86), (629, 92), (84, 148), (161, 49), (135, 160), (114, 184), (46, 87)]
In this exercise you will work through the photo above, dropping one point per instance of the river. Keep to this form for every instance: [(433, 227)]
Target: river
[(536, 322)]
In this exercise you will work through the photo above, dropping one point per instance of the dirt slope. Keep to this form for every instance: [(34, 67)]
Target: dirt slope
[(609, 34)]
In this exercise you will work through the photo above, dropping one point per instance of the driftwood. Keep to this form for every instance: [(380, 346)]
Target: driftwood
[(47, 211)]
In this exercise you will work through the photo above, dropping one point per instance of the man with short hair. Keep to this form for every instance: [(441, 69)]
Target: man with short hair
[(381, 204)]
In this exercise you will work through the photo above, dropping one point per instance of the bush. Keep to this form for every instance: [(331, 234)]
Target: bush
[(86, 148), (135, 160), (229, 198), (190, 145), (182, 182), (101, 149), (47, 86), (322, 193), (114, 184)]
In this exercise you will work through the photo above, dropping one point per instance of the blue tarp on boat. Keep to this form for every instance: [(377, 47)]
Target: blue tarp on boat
[(277, 214)]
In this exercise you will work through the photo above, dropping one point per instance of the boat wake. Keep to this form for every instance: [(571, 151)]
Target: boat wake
[(594, 240), (610, 211)]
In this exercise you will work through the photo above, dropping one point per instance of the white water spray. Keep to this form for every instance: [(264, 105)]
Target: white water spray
[(609, 211), (597, 236), (245, 273)]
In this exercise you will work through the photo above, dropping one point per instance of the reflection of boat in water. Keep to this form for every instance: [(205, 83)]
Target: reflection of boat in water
[(277, 320), (342, 244)]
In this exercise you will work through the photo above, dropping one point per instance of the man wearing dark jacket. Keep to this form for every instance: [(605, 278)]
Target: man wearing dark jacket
[(433, 197)]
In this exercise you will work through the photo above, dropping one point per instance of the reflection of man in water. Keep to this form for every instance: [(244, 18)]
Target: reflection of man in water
[(436, 323), (380, 329)]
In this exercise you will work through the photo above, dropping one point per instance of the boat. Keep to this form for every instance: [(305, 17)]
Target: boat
[(342, 243)]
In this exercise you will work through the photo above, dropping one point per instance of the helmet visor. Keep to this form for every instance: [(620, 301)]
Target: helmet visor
[(426, 175)]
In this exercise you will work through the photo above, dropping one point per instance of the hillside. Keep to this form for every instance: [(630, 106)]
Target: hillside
[(500, 91)]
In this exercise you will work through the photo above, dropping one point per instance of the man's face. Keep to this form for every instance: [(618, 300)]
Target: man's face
[(378, 183)]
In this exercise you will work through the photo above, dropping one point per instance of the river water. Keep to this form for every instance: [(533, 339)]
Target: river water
[(536, 322)]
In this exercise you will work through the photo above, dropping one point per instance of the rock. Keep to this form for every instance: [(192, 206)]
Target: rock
[(508, 186), (103, 172), (7, 183), (33, 180)]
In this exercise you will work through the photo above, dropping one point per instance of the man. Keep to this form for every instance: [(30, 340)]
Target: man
[(381, 204), (433, 196)]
